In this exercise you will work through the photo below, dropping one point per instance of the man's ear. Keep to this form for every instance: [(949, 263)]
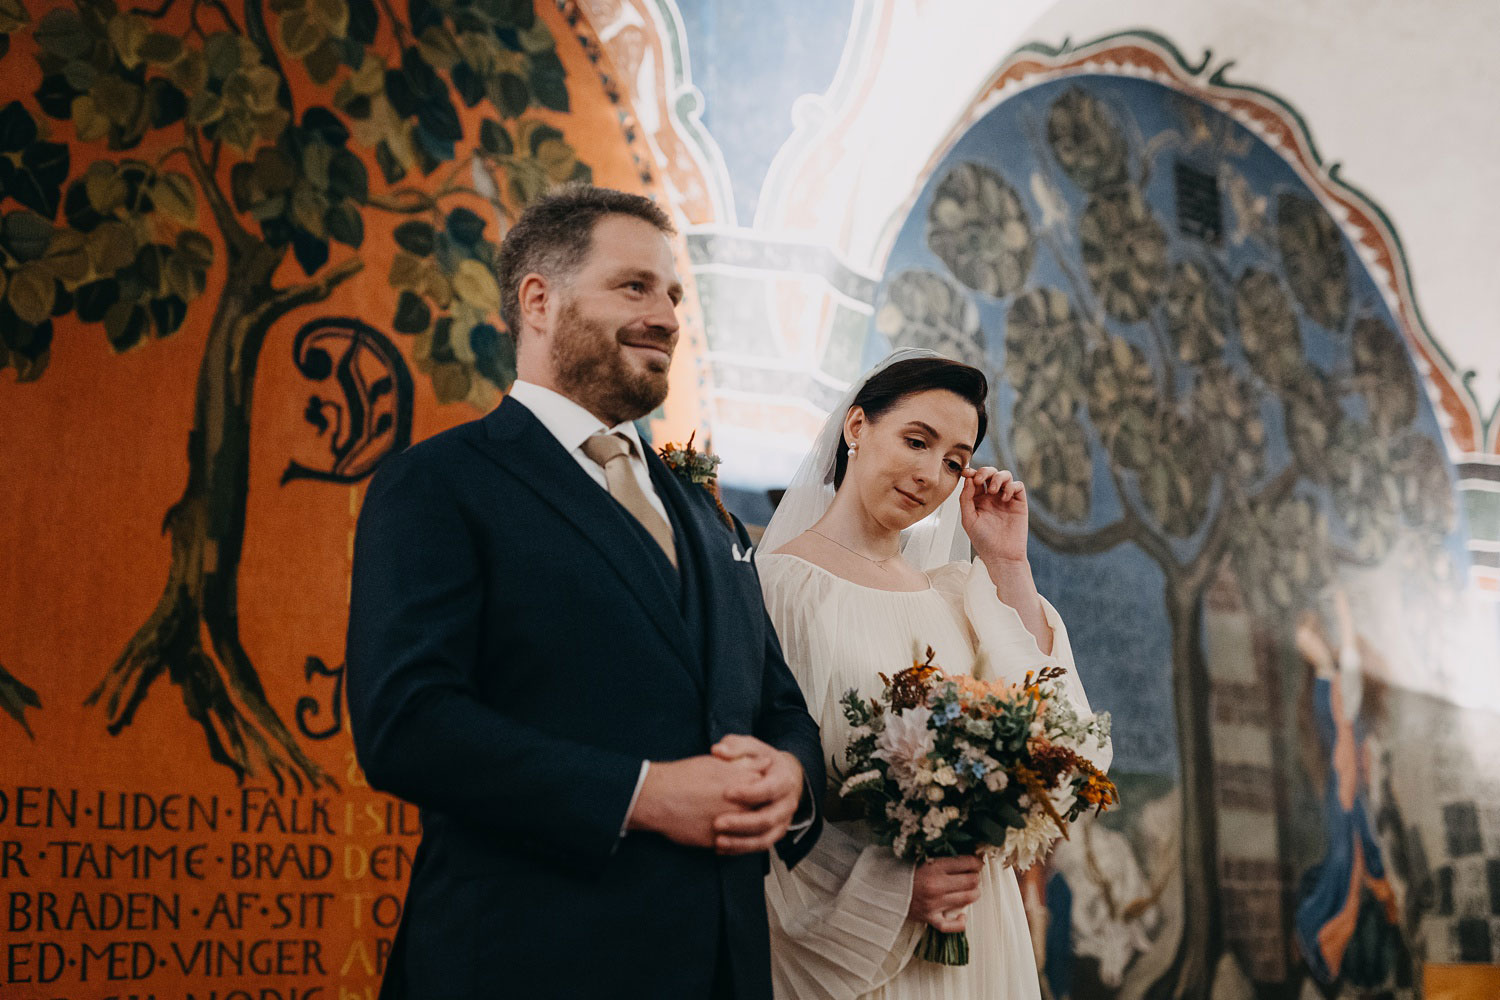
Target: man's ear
[(535, 301)]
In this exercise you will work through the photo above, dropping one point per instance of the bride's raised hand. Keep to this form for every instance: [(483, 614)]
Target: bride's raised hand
[(994, 512)]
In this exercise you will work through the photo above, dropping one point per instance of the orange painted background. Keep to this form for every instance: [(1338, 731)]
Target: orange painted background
[(134, 864)]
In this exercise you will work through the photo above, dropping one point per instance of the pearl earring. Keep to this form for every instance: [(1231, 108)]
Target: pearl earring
[(851, 450)]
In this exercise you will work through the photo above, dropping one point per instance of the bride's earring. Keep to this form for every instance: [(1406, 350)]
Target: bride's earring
[(852, 449)]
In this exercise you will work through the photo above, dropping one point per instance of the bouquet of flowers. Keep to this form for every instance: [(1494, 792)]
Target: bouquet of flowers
[(942, 766)]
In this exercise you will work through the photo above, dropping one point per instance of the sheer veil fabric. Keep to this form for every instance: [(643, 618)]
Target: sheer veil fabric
[(934, 541)]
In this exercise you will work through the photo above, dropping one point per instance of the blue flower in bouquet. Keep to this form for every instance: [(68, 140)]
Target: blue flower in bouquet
[(947, 712), (972, 768)]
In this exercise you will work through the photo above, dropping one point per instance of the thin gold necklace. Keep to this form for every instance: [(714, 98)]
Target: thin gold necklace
[(878, 563)]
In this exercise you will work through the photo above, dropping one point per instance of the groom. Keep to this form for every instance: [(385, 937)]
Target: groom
[(558, 650)]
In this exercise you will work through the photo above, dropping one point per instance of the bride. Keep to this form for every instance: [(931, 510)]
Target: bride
[(863, 568)]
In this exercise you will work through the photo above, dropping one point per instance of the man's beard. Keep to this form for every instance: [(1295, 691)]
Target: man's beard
[(590, 367)]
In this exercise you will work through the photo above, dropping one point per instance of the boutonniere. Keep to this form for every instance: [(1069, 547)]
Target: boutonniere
[(696, 468)]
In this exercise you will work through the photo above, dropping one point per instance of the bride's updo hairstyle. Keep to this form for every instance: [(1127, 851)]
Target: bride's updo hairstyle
[(907, 378)]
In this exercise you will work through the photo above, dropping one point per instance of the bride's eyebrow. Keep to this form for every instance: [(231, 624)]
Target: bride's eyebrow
[(932, 432)]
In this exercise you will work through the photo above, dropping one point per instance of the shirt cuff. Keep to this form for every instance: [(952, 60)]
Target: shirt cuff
[(640, 783), (807, 811)]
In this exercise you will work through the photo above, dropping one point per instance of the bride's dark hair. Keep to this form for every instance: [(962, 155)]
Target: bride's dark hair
[(907, 378)]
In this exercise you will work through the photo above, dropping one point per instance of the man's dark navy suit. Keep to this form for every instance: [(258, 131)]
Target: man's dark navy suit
[(517, 646)]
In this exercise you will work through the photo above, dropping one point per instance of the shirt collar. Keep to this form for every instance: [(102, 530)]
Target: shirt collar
[(565, 420)]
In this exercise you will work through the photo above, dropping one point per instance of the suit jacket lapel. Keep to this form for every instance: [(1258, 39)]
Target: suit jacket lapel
[(517, 441)]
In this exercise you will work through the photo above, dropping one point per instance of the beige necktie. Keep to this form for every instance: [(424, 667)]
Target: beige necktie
[(612, 451)]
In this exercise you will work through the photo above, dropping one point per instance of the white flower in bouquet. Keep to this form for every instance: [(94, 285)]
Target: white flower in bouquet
[(1023, 845), (863, 778), (905, 743)]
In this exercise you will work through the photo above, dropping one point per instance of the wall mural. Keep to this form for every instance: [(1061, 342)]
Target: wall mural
[(1243, 508), (101, 240), (246, 252)]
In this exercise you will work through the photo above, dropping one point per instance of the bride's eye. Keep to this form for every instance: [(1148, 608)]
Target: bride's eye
[(955, 467), (917, 444)]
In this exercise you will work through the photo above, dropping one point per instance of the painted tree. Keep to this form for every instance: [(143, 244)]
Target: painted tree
[(272, 134), (1188, 384)]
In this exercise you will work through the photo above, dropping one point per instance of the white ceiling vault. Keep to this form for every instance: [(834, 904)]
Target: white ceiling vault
[(1396, 95)]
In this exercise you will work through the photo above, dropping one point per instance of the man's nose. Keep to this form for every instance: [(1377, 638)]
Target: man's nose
[(663, 314)]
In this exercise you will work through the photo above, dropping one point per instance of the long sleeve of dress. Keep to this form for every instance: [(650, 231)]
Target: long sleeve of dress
[(838, 920), (1006, 650)]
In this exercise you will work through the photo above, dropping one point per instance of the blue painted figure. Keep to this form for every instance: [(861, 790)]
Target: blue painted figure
[(1346, 922)]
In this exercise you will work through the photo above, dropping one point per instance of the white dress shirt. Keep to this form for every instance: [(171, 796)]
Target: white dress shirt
[(572, 425)]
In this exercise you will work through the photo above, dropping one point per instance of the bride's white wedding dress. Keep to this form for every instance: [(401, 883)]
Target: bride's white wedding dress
[(838, 921)]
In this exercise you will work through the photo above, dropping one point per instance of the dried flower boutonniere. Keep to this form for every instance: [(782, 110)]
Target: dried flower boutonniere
[(696, 468)]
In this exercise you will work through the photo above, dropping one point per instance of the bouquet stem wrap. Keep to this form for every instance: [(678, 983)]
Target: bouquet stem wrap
[(944, 947)]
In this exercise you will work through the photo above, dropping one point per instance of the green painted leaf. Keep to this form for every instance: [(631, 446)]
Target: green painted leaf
[(316, 158), (416, 237), (300, 34), (13, 15), (345, 224), (539, 134), (96, 298), (196, 249), (324, 61), (332, 14), (54, 95), (127, 34), (548, 82), (165, 104), (17, 128), (311, 251), (67, 258), (118, 100), (168, 314), (528, 181), (412, 314), (80, 75), (62, 33), (205, 108), (495, 139), (31, 293), (308, 209), (222, 51), (274, 172), (468, 84), (125, 324), (176, 195), (26, 234), (88, 121), (390, 166), (347, 177), (190, 72), (105, 190), (510, 94), (465, 227), (111, 247), (537, 39), (476, 286), (161, 49)]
